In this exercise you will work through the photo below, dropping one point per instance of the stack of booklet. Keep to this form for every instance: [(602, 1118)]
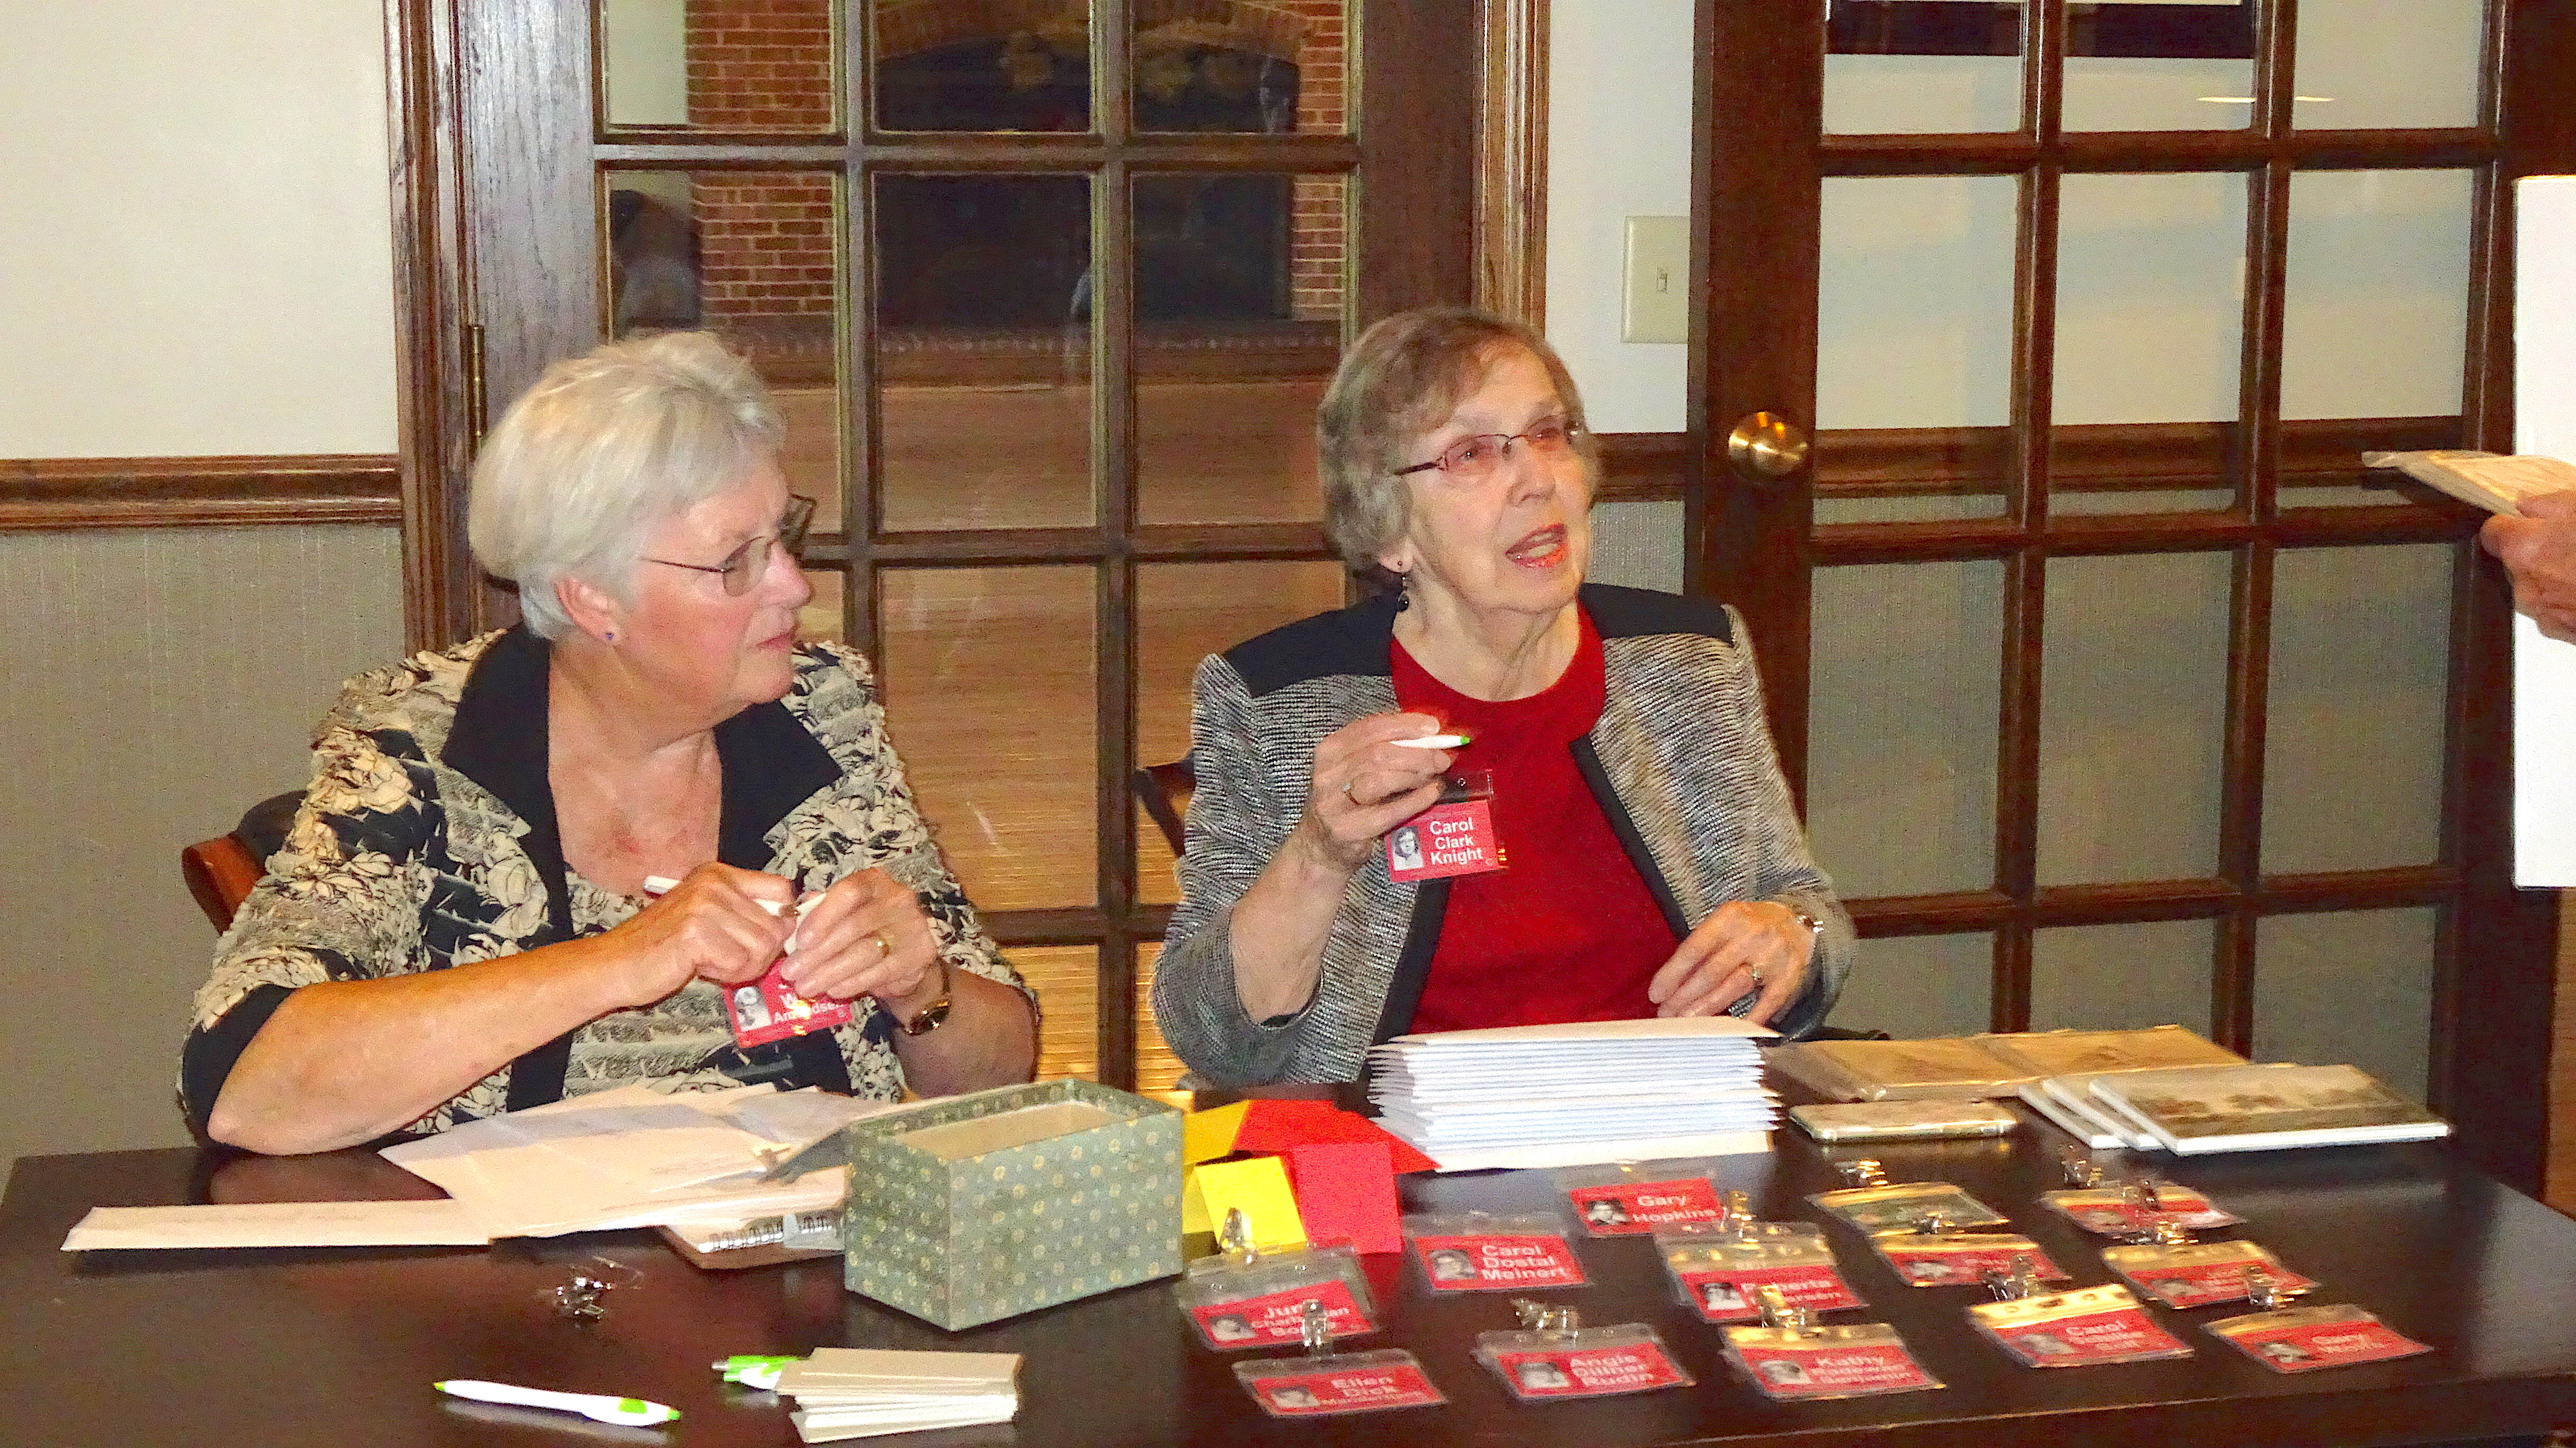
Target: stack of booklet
[(1991, 1065), (1571, 1095), (848, 1392), (2200, 1109)]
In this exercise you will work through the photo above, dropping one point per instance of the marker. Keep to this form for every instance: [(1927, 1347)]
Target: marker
[(754, 1371), (625, 1412), (1437, 741)]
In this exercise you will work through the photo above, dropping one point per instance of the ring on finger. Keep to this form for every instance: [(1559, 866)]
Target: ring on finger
[(884, 950), (1755, 971)]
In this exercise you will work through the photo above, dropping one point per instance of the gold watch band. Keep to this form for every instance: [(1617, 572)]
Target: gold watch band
[(930, 1017)]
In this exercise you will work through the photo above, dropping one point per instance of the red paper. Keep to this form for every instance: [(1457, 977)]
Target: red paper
[(1277, 1125), (1346, 1192)]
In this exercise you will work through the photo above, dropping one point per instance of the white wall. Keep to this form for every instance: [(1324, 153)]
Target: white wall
[(210, 267), (1618, 145), (195, 259)]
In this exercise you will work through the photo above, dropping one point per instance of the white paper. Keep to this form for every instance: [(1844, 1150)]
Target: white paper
[(432, 1223), (2544, 405)]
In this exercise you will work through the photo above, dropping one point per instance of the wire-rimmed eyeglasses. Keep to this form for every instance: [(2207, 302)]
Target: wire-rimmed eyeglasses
[(1471, 458), (743, 568)]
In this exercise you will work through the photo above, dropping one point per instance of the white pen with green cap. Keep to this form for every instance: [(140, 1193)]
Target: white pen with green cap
[(597, 1407)]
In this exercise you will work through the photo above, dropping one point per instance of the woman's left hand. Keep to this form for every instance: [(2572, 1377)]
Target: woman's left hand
[(1747, 945), (866, 936)]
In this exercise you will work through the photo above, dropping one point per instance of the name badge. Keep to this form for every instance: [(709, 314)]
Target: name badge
[(1454, 837)]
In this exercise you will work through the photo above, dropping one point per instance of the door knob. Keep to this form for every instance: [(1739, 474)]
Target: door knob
[(1765, 446)]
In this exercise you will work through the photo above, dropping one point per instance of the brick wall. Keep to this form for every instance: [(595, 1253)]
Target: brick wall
[(766, 240)]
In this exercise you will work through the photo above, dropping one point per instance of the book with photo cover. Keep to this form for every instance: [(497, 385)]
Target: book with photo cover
[(1954, 1066), (2069, 1053), (2193, 1110)]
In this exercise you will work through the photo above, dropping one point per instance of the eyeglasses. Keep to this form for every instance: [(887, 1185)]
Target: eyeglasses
[(743, 567), (1472, 458)]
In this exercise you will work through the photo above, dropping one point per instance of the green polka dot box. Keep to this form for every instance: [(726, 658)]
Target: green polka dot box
[(978, 1207)]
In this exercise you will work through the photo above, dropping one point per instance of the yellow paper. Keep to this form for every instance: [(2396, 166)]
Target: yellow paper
[(1259, 1187), (1207, 1135)]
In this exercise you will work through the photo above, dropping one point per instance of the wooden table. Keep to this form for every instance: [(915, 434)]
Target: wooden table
[(285, 1348)]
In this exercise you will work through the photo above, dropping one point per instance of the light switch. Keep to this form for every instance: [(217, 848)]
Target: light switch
[(1658, 291)]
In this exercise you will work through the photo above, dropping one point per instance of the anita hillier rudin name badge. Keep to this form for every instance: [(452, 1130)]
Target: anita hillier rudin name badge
[(1454, 837)]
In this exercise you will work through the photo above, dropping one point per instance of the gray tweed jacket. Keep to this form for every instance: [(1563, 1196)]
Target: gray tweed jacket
[(1681, 761)]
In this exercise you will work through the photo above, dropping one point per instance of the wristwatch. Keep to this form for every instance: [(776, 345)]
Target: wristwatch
[(1815, 927), (931, 1015)]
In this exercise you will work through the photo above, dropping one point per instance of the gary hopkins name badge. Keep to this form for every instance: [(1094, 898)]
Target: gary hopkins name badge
[(1321, 1387), (2076, 1329), (1807, 1364), (2195, 1274), (1721, 1278), (2303, 1339), (1454, 837), (1555, 1357), (2128, 1210), (1479, 1253), (1634, 1199)]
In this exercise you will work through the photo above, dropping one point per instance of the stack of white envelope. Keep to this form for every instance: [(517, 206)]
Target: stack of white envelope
[(847, 1392), (1600, 1091)]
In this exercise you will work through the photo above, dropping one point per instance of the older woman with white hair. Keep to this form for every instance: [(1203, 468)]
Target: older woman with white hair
[(1491, 794), (459, 923)]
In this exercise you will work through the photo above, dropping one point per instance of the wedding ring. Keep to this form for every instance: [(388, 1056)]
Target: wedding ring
[(1755, 971), (885, 951)]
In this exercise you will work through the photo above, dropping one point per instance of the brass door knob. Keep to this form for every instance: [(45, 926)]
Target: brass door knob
[(1766, 445)]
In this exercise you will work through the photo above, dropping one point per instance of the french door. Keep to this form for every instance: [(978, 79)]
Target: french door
[(2120, 691), (1047, 294)]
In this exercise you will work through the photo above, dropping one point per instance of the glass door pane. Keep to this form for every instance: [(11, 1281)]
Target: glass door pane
[(2370, 63), (720, 65), (943, 66), (1900, 66), (1277, 67)]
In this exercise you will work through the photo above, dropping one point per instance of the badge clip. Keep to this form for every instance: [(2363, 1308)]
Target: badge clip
[(2014, 1285), (1777, 1314), (1863, 1172), (2080, 1167)]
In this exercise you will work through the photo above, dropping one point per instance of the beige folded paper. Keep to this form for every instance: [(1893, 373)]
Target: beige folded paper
[(432, 1223)]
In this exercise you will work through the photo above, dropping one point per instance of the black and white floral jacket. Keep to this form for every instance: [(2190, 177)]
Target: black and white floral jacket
[(428, 840)]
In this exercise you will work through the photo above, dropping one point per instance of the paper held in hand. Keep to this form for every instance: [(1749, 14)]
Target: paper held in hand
[(2491, 481)]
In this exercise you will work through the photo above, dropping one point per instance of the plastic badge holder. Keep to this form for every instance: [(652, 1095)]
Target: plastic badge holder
[(1553, 1356), (1481, 1252), (2085, 1328), (1942, 1258), (1323, 1384), (2134, 1207), (1877, 1205), (1790, 1359), (1718, 1268), (2196, 1274), (2304, 1339), (1633, 1199), (1243, 1298)]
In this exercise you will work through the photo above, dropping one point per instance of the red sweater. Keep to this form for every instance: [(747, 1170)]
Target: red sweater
[(1567, 931)]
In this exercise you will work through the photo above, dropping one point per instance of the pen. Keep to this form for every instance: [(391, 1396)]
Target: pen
[(1437, 741), (755, 1371), (627, 1412)]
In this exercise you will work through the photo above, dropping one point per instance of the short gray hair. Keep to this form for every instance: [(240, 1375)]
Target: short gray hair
[(602, 449), (1401, 379)]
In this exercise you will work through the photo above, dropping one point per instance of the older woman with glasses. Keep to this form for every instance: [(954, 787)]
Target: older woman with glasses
[(460, 922), (1595, 825)]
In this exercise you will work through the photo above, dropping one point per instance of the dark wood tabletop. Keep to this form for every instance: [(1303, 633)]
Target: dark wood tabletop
[(288, 1348)]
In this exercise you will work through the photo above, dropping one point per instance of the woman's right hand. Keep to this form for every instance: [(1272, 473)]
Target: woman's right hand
[(711, 924), (1366, 784)]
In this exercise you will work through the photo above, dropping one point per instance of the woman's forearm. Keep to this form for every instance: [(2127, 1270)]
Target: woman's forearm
[(1279, 927), (989, 1039), (344, 1062)]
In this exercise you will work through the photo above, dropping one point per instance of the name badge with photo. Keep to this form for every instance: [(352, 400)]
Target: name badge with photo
[(1454, 837)]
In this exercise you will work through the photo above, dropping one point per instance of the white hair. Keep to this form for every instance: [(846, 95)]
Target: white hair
[(600, 451)]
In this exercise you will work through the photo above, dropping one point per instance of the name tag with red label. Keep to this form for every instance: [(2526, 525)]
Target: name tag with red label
[(1633, 1209), (1497, 1264), (2303, 1339), (1632, 1367), (1445, 840), (1726, 1295), (1324, 1387), (1278, 1317)]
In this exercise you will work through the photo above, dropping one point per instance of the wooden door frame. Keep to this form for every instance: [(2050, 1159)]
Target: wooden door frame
[(1759, 164)]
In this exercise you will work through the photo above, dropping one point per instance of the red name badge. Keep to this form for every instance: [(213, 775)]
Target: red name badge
[(1589, 1372), (769, 1009), (2202, 1284), (1276, 1317), (1966, 1266), (1633, 1209), (1354, 1390), (2302, 1340), (1727, 1296), (2121, 1335), (1496, 1264), (1445, 840), (1840, 1371)]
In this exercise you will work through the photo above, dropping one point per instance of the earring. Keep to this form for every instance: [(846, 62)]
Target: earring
[(1403, 592)]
